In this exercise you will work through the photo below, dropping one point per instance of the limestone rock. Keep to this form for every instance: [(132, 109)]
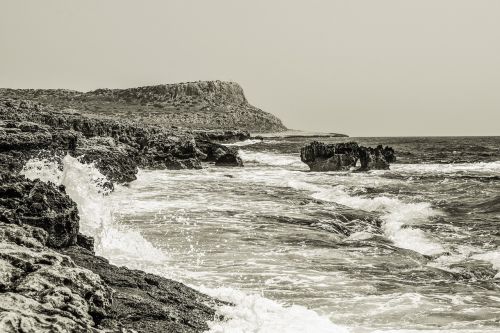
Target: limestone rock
[(344, 156), (38, 204), (44, 291)]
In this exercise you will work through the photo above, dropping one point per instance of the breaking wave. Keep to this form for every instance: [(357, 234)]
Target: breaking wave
[(250, 313)]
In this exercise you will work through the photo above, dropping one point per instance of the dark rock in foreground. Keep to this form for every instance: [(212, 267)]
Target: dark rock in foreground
[(344, 156), (50, 280), (39, 204), (146, 302)]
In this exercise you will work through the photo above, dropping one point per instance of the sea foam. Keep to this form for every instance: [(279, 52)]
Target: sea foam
[(251, 313)]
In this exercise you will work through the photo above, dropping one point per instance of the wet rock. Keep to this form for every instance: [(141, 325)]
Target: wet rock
[(114, 160), (35, 203), (146, 302), (229, 159), (44, 291), (344, 156), (324, 157), (220, 154)]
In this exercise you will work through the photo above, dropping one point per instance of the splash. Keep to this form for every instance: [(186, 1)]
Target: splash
[(247, 142), (479, 167), (84, 184), (250, 313), (492, 257), (398, 216), (254, 313), (270, 159)]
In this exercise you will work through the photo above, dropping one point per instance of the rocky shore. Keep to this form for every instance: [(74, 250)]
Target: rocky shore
[(50, 278)]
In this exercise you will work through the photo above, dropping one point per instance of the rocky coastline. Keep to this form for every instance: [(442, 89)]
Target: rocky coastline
[(50, 278)]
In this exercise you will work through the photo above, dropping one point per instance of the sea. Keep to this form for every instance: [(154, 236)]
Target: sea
[(412, 249)]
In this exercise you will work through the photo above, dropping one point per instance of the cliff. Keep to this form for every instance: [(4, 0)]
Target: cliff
[(195, 105)]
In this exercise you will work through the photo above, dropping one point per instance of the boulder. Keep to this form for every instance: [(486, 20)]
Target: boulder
[(344, 156), (229, 159), (220, 154), (39, 204), (330, 157)]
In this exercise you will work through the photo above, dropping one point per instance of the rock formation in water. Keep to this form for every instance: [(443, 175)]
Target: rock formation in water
[(344, 156), (203, 105)]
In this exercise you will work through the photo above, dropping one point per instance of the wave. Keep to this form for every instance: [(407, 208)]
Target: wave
[(479, 167), (246, 142), (250, 313), (397, 216), (254, 313), (83, 184), (492, 257)]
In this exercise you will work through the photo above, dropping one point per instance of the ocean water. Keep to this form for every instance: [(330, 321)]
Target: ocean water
[(412, 249)]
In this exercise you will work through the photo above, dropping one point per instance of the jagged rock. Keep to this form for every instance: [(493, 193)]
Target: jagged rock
[(377, 159), (220, 154), (344, 156), (116, 147), (146, 302), (24, 201), (229, 159), (44, 291), (115, 160), (322, 157)]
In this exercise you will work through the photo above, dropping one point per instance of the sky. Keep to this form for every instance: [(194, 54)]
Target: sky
[(360, 67)]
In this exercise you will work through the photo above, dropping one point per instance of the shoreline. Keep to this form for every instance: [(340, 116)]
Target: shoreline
[(39, 220)]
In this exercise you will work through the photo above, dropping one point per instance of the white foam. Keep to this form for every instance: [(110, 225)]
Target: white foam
[(247, 142), (256, 314), (396, 215), (493, 257), (251, 313), (83, 184), (480, 167), (271, 159)]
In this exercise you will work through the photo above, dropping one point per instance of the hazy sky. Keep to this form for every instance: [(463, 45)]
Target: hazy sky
[(373, 67)]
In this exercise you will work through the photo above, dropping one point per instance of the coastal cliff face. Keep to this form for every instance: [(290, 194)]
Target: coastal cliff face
[(196, 105)]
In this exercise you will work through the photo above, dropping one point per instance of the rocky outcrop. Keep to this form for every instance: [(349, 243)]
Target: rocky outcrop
[(50, 280), (146, 302), (344, 156), (38, 204), (44, 291), (117, 147), (219, 154), (203, 104)]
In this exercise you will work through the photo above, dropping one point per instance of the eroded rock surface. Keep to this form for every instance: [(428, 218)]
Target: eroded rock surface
[(146, 302), (72, 290), (35, 203), (117, 147), (44, 291), (344, 156)]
